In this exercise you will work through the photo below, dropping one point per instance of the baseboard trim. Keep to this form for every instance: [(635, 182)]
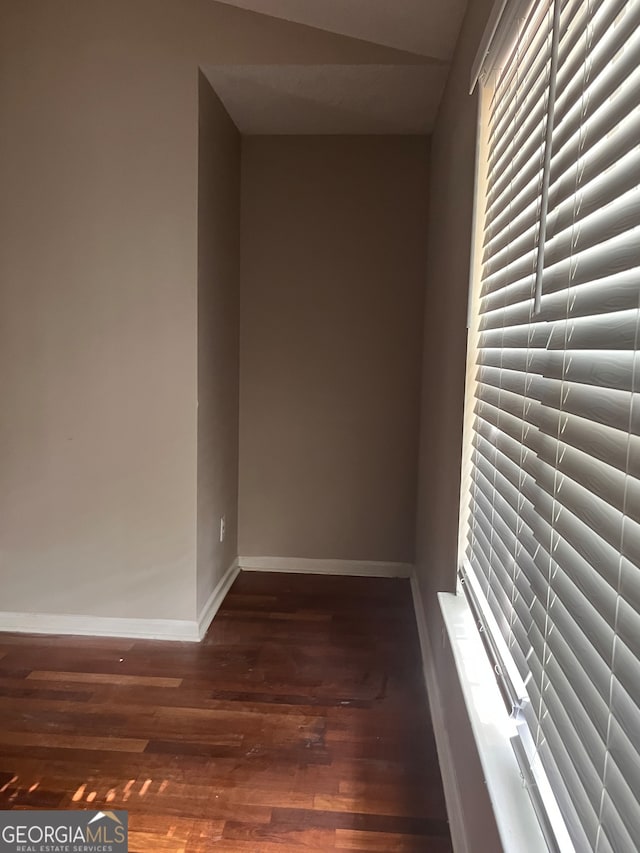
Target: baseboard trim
[(183, 630), (443, 746), (216, 598), (304, 565), (187, 630), (99, 626)]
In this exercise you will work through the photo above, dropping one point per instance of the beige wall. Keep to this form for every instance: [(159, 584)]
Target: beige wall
[(333, 271), (97, 346), (452, 168), (218, 334), (98, 280), (449, 243)]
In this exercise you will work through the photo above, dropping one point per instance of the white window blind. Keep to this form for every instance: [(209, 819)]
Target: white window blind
[(552, 557)]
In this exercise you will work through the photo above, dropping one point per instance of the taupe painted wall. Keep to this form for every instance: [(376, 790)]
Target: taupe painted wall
[(98, 280), (218, 338), (453, 157), (333, 272), (452, 168), (97, 346)]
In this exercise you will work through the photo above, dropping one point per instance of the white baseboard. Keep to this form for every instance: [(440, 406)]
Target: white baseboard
[(445, 758), (99, 626), (216, 598), (187, 630), (106, 626), (304, 565)]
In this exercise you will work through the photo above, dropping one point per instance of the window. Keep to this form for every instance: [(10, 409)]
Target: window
[(551, 506)]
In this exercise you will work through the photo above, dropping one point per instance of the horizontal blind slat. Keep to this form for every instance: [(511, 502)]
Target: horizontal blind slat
[(555, 465)]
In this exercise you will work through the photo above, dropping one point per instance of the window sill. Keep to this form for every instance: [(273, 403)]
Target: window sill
[(491, 726)]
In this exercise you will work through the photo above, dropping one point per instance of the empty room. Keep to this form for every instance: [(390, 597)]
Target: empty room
[(320, 426)]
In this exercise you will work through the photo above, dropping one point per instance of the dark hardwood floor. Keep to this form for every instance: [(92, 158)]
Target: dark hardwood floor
[(299, 723)]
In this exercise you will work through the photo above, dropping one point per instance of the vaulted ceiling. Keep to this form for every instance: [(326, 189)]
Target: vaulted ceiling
[(426, 27), (400, 95)]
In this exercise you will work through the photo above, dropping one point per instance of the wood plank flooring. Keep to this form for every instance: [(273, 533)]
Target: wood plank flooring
[(299, 723)]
